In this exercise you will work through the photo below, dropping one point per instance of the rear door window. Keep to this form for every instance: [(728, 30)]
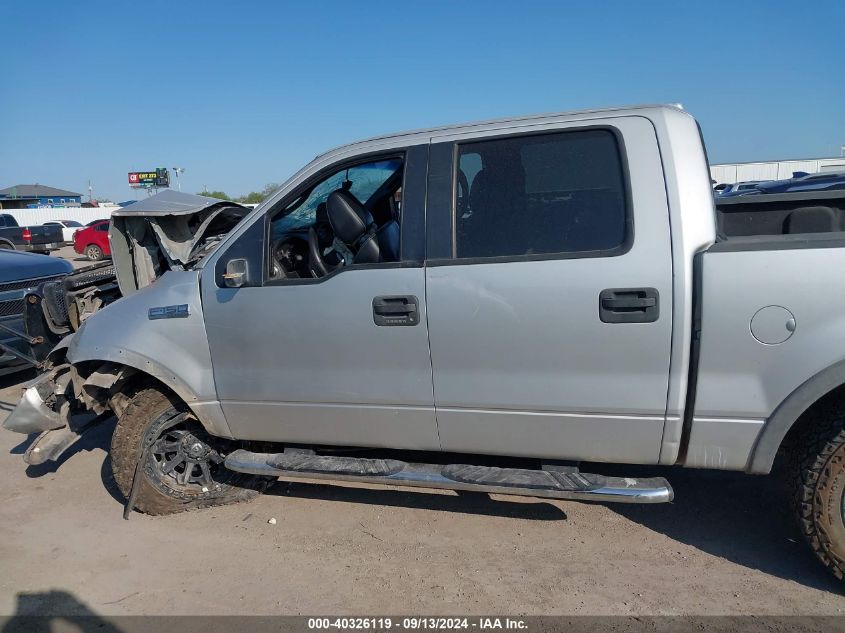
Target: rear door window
[(561, 192)]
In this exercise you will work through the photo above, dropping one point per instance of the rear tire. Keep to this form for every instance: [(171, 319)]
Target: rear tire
[(197, 480), (93, 252), (6, 246), (819, 486)]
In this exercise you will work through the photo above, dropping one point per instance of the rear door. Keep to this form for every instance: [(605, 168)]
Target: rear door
[(549, 291)]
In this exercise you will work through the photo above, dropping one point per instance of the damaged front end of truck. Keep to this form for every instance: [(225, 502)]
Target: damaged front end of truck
[(91, 358), (63, 402)]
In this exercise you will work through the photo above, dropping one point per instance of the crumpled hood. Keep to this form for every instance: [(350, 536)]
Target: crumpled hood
[(169, 231)]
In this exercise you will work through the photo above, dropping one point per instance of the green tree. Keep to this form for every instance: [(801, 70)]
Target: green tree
[(254, 197), (214, 194)]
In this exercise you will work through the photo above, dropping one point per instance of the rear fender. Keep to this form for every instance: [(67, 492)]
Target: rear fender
[(787, 414)]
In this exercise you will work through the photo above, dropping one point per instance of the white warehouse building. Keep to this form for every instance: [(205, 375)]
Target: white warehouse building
[(774, 169)]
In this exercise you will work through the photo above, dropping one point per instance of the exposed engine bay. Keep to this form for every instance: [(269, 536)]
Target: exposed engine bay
[(168, 231)]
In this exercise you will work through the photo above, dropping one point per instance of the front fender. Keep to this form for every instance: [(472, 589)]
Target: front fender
[(158, 331)]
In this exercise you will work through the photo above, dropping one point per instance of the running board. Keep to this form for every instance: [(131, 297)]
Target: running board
[(551, 484)]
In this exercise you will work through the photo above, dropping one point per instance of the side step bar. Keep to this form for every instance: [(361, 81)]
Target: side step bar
[(550, 484)]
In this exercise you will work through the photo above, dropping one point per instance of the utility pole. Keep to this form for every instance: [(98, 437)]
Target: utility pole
[(179, 171)]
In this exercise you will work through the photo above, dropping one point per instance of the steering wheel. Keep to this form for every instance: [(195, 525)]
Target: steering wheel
[(289, 258), (316, 263)]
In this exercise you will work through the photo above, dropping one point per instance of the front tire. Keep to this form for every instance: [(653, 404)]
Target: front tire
[(819, 497), (184, 466), (93, 252)]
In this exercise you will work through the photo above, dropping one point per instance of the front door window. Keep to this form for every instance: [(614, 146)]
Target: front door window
[(374, 185)]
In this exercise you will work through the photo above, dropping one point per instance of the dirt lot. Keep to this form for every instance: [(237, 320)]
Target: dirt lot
[(67, 252), (723, 547)]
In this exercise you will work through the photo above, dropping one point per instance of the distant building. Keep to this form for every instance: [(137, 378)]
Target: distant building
[(31, 196), (773, 169)]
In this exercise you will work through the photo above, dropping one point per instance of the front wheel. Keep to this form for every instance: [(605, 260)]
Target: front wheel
[(819, 497), (93, 252), (184, 465)]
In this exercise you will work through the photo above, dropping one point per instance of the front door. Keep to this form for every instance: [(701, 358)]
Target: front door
[(325, 360), (550, 313)]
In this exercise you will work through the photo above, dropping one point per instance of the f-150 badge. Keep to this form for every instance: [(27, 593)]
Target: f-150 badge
[(169, 312)]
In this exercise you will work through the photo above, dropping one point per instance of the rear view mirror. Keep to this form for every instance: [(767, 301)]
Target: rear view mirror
[(237, 273)]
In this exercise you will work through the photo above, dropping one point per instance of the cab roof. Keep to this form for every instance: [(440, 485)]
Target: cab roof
[(422, 135)]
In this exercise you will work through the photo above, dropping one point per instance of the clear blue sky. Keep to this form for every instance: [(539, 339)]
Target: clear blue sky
[(243, 93)]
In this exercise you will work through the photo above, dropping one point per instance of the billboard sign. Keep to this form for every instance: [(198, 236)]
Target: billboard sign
[(157, 178)]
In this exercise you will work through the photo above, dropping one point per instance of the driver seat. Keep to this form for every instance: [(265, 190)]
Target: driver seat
[(355, 227)]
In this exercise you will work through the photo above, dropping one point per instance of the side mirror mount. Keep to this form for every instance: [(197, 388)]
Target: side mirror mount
[(237, 273)]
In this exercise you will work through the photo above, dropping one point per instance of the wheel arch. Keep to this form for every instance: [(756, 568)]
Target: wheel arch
[(173, 351), (794, 412), (143, 371)]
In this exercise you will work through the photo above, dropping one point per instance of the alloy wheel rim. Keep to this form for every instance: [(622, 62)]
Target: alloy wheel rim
[(183, 456)]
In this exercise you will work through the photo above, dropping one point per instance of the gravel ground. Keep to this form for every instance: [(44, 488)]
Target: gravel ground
[(67, 252), (725, 546)]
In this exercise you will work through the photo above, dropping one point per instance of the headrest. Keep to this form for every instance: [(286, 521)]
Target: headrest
[(348, 217), (812, 220)]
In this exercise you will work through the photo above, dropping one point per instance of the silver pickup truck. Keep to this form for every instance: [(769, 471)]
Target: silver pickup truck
[(482, 307)]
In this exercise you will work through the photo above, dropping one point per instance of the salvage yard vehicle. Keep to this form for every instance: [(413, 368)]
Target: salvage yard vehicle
[(68, 227), (21, 273), (93, 241), (477, 307), (35, 239)]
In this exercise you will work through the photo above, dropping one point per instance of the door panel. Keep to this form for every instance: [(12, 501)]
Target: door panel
[(524, 363), (304, 361), (308, 364)]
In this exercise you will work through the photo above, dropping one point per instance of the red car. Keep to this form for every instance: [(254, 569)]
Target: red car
[(93, 241)]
